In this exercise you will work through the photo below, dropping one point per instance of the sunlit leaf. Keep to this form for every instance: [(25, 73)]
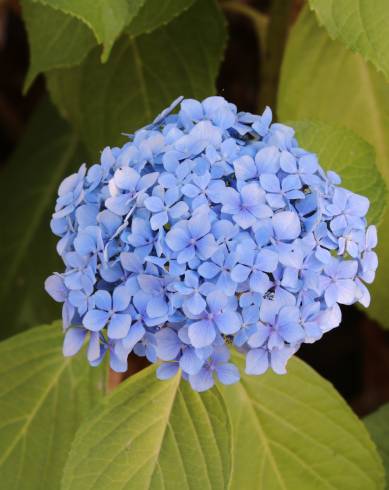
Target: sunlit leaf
[(360, 24), (331, 83), (152, 434), (43, 400), (295, 432)]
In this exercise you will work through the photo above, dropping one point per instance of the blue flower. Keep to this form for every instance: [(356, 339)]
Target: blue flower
[(259, 360), (218, 317), (246, 206), (254, 266), (279, 194), (321, 241), (190, 238), (141, 237), (219, 269), (125, 186), (157, 291), (303, 169), (209, 226), (220, 161), (337, 282), (250, 325), (226, 372), (110, 310), (192, 293), (347, 210), (80, 272), (70, 194), (369, 259), (202, 189), (165, 206)]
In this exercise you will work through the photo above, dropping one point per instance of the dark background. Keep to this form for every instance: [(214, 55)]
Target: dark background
[(355, 356)]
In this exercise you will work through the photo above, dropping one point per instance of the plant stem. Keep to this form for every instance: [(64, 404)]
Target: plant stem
[(277, 32), (258, 20)]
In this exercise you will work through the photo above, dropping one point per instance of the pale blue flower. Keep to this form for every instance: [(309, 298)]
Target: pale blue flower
[(190, 238), (246, 206), (209, 226), (226, 372), (110, 310), (165, 206), (218, 317)]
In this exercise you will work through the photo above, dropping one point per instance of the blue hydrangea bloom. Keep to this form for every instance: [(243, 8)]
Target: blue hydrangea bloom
[(208, 227)]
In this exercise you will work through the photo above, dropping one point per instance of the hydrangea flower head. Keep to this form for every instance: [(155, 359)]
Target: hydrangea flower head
[(208, 227)]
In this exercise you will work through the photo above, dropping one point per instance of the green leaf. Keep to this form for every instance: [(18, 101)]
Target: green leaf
[(331, 83), (142, 76), (106, 18), (43, 400), (154, 14), (64, 41), (296, 432), (341, 150), (152, 434), (29, 182), (377, 424), (360, 24)]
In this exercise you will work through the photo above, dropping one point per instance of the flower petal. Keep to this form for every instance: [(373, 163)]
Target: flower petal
[(119, 326), (74, 339), (201, 333), (95, 320)]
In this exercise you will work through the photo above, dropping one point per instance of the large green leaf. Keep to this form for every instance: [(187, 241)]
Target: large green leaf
[(152, 434), (64, 41), (106, 18), (153, 14), (142, 76), (29, 184), (377, 424), (333, 84), (295, 432), (360, 24), (341, 150), (43, 400)]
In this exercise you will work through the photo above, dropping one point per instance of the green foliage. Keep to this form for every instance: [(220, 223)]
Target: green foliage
[(154, 14), (331, 83), (110, 68), (43, 400), (360, 24), (64, 41), (342, 151), (72, 29), (296, 432), (142, 76), (377, 424), (105, 18), (27, 246), (155, 435)]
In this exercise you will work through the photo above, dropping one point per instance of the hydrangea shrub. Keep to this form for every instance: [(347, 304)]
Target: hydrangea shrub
[(210, 229)]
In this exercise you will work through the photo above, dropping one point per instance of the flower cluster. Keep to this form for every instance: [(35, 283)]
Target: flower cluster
[(209, 227)]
